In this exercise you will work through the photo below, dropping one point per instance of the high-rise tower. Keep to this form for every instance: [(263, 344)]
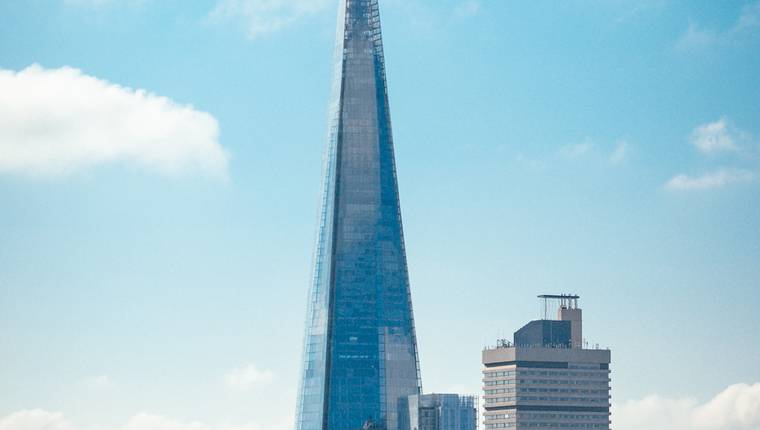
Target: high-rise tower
[(360, 352)]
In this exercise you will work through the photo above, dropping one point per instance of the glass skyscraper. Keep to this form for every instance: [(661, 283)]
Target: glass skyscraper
[(360, 351)]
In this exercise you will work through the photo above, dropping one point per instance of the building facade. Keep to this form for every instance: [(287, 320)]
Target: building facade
[(360, 350), (439, 412), (545, 378)]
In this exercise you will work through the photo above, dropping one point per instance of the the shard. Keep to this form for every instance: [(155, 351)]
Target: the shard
[(360, 351)]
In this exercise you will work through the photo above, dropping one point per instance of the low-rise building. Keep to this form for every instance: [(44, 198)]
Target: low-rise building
[(439, 412)]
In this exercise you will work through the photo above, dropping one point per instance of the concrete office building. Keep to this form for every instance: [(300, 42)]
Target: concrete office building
[(545, 377), (439, 412)]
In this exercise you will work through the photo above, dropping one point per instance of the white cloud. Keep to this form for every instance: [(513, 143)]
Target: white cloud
[(576, 150), (35, 419), (145, 421), (710, 139), (713, 137), (653, 413), (58, 121), (744, 27), (717, 179), (265, 16), (248, 377), (735, 408), (620, 153), (43, 420)]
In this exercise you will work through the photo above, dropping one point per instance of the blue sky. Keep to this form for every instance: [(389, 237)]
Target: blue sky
[(160, 168)]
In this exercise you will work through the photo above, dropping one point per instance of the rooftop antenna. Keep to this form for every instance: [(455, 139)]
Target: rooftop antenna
[(566, 301)]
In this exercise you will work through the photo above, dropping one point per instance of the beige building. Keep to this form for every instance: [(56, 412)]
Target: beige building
[(545, 378)]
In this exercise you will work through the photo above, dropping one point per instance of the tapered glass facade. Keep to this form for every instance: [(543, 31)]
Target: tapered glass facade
[(360, 351)]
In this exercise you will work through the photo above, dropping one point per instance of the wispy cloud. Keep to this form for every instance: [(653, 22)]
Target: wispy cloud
[(99, 382), (467, 8), (712, 180), (531, 163), (576, 150), (58, 121), (421, 17), (713, 137), (90, 3), (749, 20), (264, 17), (631, 10), (248, 377), (697, 37), (103, 3), (620, 152), (735, 408), (613, 153), (261, 17)]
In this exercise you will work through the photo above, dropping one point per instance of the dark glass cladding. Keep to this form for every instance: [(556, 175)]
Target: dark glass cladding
[(544, 333), (360, 352)]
